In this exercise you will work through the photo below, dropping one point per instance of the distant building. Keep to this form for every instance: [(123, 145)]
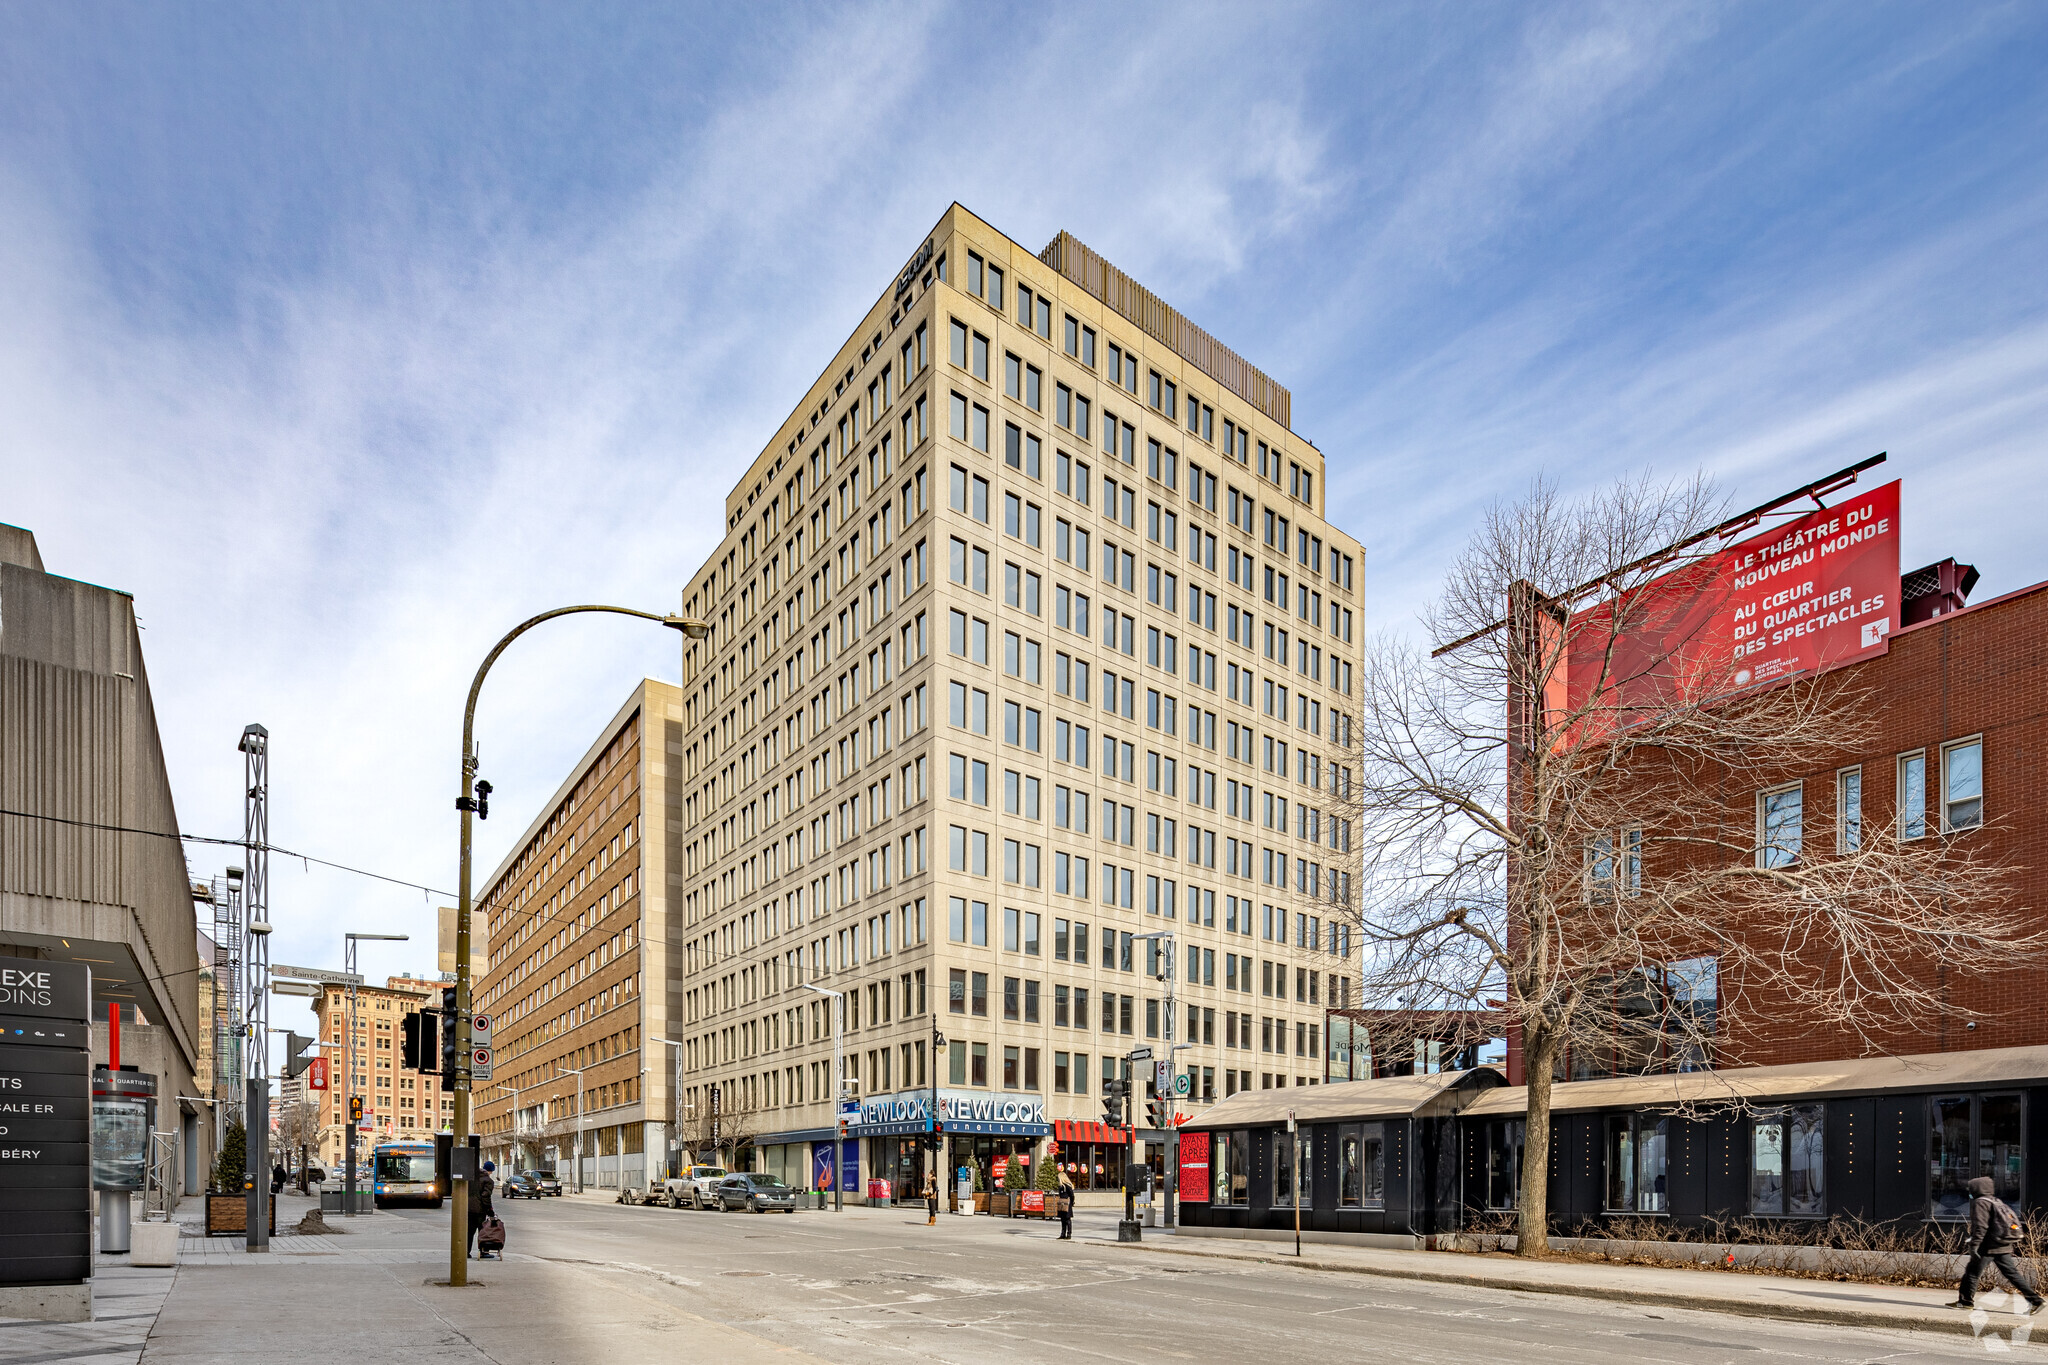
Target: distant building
[(80, 761), (398, 1105)]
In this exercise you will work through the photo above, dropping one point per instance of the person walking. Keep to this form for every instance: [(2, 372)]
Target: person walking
[(480, 1206), (1066, 1199), (278, 1178), (1994, 1236)]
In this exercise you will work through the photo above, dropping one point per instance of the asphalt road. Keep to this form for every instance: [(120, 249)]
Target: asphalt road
[(879, 1285)]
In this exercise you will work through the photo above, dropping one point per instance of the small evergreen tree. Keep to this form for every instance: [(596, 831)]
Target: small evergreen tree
[(1013, 1175), (232, 1163), (1048, 1173)]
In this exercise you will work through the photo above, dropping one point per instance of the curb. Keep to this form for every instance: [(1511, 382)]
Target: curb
[(1748, 1308)]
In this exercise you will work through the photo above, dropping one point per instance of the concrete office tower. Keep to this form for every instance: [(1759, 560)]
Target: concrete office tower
[(1028, 636), (79, 748)]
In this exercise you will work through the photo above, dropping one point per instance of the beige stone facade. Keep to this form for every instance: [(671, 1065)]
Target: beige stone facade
[(1029, 636)]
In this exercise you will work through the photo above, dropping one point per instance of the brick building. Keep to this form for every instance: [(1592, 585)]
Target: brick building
[(1960, 727), (399, 1105)]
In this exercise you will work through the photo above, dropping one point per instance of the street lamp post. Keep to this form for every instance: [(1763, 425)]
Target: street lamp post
[(838, 1016), (458, 1204), (577, 1072), (348, 1063), (675, 1123), (515, 1128), (1171, 1176)]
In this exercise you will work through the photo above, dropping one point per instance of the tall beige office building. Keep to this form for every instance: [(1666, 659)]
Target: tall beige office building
[(1029, 639)]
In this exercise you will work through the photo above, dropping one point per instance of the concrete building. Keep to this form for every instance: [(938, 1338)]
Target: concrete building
[(91, 868), (1028, 638)]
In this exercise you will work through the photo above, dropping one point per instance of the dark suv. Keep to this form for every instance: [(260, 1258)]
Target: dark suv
[(532, 1185), (754, 1192)]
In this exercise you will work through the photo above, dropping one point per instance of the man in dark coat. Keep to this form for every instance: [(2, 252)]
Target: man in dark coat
[(1992, 1228)]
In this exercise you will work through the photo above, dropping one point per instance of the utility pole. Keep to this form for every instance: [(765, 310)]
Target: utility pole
[(255, 748), (1163, 1071)]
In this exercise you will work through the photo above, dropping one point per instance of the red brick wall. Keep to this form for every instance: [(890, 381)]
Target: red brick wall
[(1983, 671)]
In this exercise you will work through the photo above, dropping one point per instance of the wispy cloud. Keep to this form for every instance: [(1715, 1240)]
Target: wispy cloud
[(488, 378)]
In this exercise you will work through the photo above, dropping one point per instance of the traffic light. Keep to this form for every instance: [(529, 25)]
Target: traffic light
[(421, 1046), (295, 1060), (448, 1067), (1159, 1113), (936, 1138), (1113, 1096), (355, 1108)]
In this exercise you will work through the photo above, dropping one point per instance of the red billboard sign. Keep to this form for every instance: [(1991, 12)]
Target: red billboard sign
[(1806, 595), (316, 1073)]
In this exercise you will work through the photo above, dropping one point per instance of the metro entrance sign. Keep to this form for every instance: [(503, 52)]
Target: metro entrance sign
[(1810, 594)]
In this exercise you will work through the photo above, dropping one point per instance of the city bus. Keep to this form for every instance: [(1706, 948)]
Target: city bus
[(403, 1173)]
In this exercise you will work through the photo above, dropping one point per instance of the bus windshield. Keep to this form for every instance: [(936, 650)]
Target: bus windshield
[(401, 1168)]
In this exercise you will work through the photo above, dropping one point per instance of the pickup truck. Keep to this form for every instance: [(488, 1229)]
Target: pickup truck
[(693, 1187)]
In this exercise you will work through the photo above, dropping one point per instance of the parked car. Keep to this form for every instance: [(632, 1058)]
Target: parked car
[(531, 1185), (693, 1187), (755, 1192)]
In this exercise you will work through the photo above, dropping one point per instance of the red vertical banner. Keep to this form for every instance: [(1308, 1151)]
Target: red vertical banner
[(1194, 1168), (316, 1073)]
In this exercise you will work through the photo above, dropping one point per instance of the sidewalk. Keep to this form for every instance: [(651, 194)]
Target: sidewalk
[(1713, 1290)]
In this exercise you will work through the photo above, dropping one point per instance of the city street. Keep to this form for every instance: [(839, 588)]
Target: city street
[(879, 1285)]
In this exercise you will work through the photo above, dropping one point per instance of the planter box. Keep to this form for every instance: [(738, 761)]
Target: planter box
[(228, 1215), (999, 1203), (981, 1201)]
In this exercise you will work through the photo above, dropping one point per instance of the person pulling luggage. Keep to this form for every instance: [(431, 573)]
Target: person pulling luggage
[(481, 1210)]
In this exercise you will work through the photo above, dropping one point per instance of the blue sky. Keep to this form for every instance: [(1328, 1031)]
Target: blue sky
[(347, 336)]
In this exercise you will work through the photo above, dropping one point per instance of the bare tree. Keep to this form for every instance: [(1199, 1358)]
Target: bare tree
[(736, 1127), (1585, 861)]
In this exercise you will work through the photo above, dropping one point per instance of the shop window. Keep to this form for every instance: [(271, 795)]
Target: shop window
[(1971, 1136), (1361, 1166), (1637, 1153), (1504, 1139), (1787, 1161)]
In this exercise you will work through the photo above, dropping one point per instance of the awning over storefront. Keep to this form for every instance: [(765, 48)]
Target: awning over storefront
[(1086, 1130), (962, 1111)]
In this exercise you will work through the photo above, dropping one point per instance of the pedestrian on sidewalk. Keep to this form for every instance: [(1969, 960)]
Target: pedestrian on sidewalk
[(277, 1178), (1994, 1236), (1066, 1201), (480, 1206)]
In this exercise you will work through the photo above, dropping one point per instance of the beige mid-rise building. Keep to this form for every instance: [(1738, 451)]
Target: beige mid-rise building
[(1028, 638)]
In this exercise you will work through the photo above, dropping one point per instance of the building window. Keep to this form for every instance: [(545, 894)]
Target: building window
[(1504, 1138), (1361, 1166), (1778, 826), (1787, 1156), (1971, 1136), (1848, 810), (1912, 795), (1962, 785), (1636, 1163)]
